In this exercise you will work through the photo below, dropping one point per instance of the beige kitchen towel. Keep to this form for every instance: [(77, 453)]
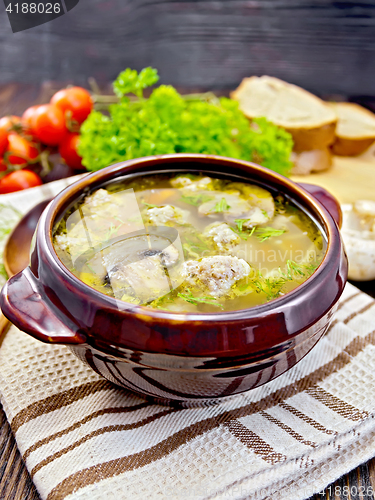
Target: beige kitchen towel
[(83, 438)]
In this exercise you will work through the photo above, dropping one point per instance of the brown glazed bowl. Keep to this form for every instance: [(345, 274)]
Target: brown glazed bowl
[(178, 358)]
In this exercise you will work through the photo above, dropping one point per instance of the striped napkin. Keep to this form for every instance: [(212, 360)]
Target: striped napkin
[(84, 438)]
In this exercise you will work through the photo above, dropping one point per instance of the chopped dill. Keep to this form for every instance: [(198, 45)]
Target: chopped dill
[(273, 286), (189, 251), (245, 286), (221, 206), (263, 233), (195, 247), (111, 231), (295, 270), (91, 269), (196, 199), (310, 268), (189, 297), (240, 223), (245, 235), (149, 205)]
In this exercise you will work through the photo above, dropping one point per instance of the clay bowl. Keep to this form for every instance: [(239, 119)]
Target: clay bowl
[(178, 358)]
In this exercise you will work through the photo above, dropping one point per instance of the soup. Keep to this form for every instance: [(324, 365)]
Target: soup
[(189, 243)]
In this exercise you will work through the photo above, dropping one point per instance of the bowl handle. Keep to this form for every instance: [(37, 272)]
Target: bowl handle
[(25, 303), (326, 199)]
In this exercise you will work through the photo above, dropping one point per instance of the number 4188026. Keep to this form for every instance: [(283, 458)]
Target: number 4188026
[(34, 8)]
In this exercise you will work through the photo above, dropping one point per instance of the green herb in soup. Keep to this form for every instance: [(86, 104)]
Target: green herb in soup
[(189, 243)]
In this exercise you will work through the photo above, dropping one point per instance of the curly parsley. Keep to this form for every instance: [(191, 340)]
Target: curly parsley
[(167, 123)]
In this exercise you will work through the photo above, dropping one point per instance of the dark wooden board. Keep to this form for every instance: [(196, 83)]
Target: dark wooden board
[(15, 482), (325, 46)]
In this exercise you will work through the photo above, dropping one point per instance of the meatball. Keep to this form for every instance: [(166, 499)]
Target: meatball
[(189, 185), (217, 274), (222, 235), (166, 215), (98, 198)]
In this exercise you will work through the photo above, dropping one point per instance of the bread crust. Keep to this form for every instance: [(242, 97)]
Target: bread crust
[(317, 135), (306, 139), (350, 147), (352, 136)]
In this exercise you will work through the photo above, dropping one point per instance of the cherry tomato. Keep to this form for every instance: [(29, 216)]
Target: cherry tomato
[(76, 100), (20, 150), (28, 118), (3, 141), (18, 180), (68, 150), (9, 123), (49, 124), (3, 166)]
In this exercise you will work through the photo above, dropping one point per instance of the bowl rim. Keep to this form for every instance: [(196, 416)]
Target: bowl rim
[(100, 177)]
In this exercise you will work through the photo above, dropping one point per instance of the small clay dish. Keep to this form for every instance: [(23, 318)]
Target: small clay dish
[(178, 358)]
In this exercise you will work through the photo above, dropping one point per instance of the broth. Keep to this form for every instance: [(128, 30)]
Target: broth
[(189, 243)]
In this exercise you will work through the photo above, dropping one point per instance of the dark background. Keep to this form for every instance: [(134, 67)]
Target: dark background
[(326, 47)]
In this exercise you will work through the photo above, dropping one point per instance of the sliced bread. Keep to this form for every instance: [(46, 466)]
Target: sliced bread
[(355, 130), (310, 120)]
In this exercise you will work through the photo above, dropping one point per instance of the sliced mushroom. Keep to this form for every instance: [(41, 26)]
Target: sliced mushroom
[(251, 203), (229, 205), (256, 196), (358, 232)]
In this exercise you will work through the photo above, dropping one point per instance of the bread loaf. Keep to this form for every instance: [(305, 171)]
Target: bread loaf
[(355, 130), (310, 120)]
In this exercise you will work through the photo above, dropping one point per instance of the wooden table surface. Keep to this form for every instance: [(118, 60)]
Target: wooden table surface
[(15, 482)]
